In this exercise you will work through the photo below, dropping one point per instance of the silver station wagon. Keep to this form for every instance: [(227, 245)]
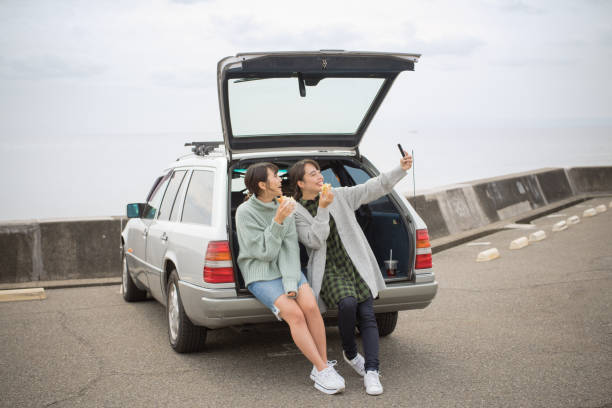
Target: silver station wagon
[(180, 245)]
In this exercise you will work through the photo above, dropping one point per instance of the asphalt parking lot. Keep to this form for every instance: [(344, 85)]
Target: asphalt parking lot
[(532, 328)]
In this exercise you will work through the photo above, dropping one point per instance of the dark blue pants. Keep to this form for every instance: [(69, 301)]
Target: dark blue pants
[(350, 313)]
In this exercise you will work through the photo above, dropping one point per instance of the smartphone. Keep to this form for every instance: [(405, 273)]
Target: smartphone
[(399, 146)]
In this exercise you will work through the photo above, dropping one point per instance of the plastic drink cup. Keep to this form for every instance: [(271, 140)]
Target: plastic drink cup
[(391, 267)]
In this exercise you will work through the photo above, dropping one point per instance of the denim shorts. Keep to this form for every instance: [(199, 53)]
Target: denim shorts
[(268, 291)]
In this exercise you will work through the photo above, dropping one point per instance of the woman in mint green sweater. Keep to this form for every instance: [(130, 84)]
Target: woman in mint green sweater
[(269, 259)]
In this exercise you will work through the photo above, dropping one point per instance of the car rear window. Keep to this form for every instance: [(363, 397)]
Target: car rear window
[(275, 107)]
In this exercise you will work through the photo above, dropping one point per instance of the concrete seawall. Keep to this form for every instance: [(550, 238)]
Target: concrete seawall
[(52, 250), (469, 206), (48, 250)]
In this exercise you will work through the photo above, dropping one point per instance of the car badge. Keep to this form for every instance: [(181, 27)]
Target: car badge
[(324, 63)]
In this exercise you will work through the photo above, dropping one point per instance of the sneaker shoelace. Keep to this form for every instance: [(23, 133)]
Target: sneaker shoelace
[(327, 372)]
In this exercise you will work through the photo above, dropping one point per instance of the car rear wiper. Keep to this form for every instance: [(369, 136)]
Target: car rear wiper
[(301, 85), (247, 80)]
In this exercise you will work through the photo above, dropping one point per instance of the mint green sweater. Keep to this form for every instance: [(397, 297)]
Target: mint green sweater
[(268, 250)]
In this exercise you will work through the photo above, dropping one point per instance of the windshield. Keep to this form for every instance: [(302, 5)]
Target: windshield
[(274, 106)]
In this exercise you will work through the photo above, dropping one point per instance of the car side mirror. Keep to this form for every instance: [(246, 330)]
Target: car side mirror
[(135, 210)]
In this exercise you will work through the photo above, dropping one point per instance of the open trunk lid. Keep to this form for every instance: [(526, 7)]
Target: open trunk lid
[(322, 100)]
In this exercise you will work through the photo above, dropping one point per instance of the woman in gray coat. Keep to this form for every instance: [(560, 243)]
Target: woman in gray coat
[(342, 268)]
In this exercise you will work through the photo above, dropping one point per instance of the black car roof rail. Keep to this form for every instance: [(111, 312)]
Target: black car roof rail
[(204, 148)]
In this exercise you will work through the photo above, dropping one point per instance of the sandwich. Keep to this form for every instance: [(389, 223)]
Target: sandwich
[(282, 199)]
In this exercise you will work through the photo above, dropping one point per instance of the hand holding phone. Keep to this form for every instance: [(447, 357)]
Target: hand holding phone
[(399, 146), (406, 161)]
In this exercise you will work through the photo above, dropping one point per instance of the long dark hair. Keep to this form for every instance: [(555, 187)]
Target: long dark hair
[(296, 173), (255, 173)]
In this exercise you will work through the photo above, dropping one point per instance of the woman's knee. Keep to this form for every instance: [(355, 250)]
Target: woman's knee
[(310, 309), (366, 315), (291, 312), (307, 301), (366, 308), (347, 305)]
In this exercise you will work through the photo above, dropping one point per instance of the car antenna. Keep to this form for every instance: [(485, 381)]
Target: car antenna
[(413, 182)]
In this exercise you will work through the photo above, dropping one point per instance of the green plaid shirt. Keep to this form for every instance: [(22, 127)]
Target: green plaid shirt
[(341, 279)]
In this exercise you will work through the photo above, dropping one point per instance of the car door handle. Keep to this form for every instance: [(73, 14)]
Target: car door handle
[(145, 233), (164, 237)]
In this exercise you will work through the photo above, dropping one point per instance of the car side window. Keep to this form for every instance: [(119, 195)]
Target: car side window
[(330, 177), (382, 204), (155, 200), (359, 176), (175, 215), (170, 195), (199, 198)]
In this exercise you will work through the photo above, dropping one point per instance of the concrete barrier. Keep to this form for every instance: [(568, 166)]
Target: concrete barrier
[(469, 206), (429, 209), (505, 197), (555, 185), (591, 180), (50, 250), (20, 251)]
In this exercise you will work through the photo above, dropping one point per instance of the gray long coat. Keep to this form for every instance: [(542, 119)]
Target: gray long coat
[(313, 231)]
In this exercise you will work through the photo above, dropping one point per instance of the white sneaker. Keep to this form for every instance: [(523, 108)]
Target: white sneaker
[(372, 383), (328, 381), (358, 363), (330, 363)]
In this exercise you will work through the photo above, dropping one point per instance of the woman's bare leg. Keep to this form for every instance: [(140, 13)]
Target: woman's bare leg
[(291, 313), (314, 320)]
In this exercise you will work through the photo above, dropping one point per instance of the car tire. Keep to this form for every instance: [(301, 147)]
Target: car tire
[(184, 336), (386, 323), (131, 293)]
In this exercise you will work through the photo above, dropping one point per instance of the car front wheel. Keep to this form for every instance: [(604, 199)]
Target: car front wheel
[(185, 337), (131, 293), (386, 323)]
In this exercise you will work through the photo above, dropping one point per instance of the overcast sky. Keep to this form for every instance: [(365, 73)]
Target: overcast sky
[(88, 70), (149, 66)]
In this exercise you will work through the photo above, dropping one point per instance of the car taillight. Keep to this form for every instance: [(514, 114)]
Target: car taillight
[(218, 266), (422, 237), (423, 250)]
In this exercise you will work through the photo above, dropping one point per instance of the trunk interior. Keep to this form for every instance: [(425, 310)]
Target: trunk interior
[(384, 224)]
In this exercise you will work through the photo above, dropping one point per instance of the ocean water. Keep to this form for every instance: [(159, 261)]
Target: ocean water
[(96, 175)]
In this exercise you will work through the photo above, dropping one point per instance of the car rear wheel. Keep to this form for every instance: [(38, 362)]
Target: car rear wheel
[(131, 293), (386, 323), (185, 337)]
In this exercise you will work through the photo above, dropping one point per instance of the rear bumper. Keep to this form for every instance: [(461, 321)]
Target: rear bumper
[(216, 308)]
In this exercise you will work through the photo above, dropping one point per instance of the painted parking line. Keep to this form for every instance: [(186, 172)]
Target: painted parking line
[(520, 226), (15, 295), (478, 243)]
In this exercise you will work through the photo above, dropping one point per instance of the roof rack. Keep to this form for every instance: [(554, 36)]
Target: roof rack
[(204, 148)]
